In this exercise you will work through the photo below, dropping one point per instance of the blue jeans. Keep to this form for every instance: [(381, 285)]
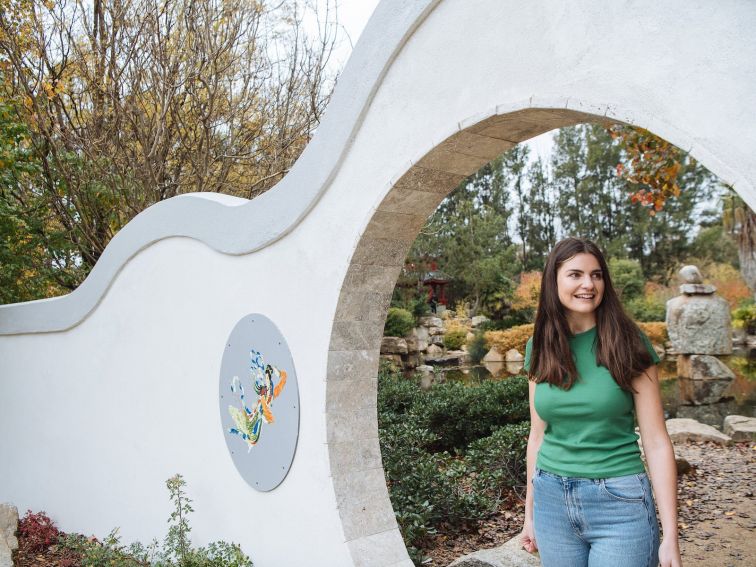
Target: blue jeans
[(595, 522)]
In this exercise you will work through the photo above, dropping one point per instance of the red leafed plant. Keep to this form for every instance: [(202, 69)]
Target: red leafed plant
[(37, 531)]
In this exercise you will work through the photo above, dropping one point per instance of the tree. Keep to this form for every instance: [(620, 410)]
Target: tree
[(657, 166), (468, 237), (129, 102)]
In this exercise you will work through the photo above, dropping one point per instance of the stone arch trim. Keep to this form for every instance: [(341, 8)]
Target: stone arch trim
[(367, 516)]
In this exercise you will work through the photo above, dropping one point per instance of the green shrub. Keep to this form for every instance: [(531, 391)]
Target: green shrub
[(646, 309), (176, 550), (433, 476), (744, 317), (500, 459), (453, 340), (399, 322), (477, 347), (627, 278)]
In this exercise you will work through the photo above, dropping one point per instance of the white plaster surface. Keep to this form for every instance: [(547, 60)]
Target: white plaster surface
[(96, 417)]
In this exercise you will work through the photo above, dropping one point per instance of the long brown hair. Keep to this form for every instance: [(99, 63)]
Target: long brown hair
[(619, 346)]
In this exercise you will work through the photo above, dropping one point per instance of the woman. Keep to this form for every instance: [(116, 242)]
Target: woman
[(589, 501)]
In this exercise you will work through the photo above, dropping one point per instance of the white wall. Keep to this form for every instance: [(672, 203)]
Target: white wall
[(94, 419)]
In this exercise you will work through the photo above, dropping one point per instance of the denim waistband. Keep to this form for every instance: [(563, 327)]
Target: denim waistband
[(541, 472)]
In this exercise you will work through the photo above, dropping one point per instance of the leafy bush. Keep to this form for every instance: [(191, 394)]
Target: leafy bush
[(627, 278), (647, 309), (744, 317), (458, 414), (176, 550), (499, 459), (454, 339), (477, 347), (399, 322), (656, 332), (432, 476), (515, 338), (38, 531)]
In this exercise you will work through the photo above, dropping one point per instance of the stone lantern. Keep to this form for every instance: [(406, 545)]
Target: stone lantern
[(699, 328)]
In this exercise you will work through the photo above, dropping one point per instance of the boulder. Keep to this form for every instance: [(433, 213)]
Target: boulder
[(460, 355), (8, 527), (417, 341), (703, 367), (394, 345), (437, 340), (431, 321), (434, 350), (511, 554), (493, 355), (436, 331), (682, 429), (703, 379), (425, 369), (740, 427), (478, 320), (690, 274), (699, 324)]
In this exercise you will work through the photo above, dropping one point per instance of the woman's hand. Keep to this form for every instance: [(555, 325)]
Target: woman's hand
[(669, 553), (527, 537)]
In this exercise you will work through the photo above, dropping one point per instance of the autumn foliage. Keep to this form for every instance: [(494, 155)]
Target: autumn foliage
[(512, 338)]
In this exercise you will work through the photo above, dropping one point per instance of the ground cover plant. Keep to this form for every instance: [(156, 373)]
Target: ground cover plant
[(450, 453), (41, 543)]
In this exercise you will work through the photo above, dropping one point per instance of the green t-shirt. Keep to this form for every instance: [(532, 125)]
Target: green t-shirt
[(590, 431)]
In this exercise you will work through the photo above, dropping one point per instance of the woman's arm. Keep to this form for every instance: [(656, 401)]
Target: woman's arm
[(661, 461), (537, 428)]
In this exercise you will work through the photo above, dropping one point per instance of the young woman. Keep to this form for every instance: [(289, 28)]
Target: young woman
[(589, 501)]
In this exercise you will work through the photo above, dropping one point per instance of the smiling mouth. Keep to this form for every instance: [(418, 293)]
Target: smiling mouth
[(585, 296)]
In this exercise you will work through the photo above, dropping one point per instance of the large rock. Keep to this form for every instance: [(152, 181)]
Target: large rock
[(699, 324), (431, 321), (494, 355), (437, 340), (511, 554), (417, 341), (478, 320), (436, 331), (703, 367), (8, 527), (740, 427), (394, 345), (514, 361), (434, 350), (682, 429), (703, 379)]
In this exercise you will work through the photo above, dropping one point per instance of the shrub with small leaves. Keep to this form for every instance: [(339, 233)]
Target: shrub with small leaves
[(38, 531), (454, 339), (515, 338), (399, 322), (477, 347)]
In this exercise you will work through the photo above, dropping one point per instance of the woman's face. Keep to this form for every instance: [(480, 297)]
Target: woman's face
[(580, 284)]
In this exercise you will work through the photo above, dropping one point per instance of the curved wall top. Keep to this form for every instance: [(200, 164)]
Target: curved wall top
[(727, 149)]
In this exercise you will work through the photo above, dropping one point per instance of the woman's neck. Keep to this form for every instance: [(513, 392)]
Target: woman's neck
[(579, 323)]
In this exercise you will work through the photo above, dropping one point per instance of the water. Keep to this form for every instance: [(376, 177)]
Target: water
[(741, 394)]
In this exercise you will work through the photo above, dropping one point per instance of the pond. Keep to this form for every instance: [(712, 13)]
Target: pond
[(741, 394)]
